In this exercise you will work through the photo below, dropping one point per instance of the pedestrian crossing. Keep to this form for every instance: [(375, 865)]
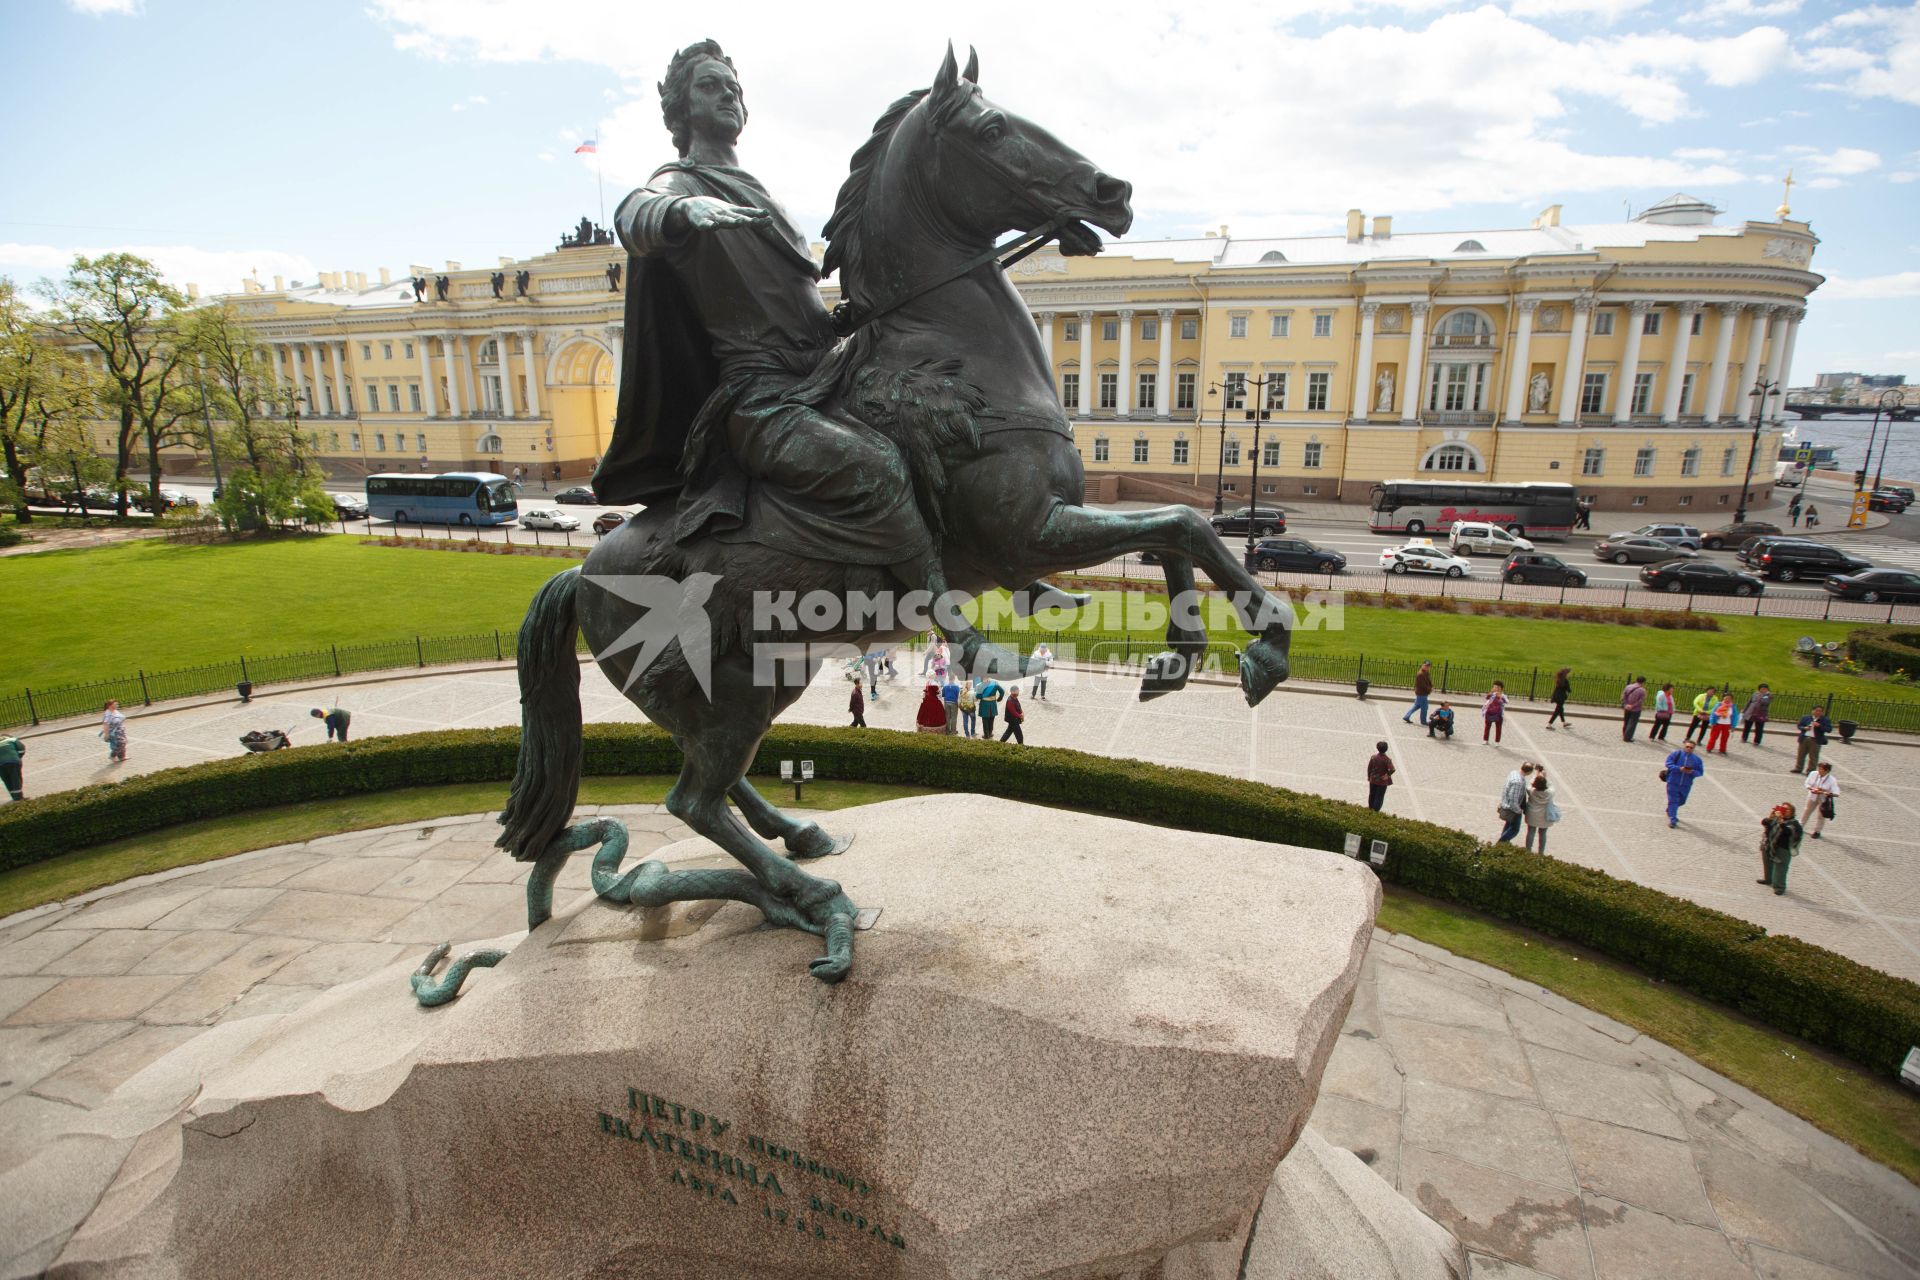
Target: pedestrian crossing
[(1891, 553)]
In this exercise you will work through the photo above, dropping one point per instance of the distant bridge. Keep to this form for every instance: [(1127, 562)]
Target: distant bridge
[(1906, 413)]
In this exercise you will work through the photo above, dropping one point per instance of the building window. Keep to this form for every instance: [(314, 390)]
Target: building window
[(1189, 329), (1593, 462), (1276, 391), (488, 444), (1310, 459), (1070, 390), (1109, 331), (380, 441), (1311, 489), (1186, 390), (1643, 462), (1686, 393), (1323, 324), (386, 351), (1457, 388), (356, 441), (1230, 451), (1149, 330), (1726, 461), (1282, 326), (1642, 392), (1109, 390), (1451, 457), (1686, 499), (409, 351), (1146, 391), (373, 398), (1267, 487), (1724, 502), (1180, 452), (366, 351), (393, 396), (1650, 324), (1236, 326), (1639, 499), (1101, 451), (1236, 390), (1270, 453), (1232, 486), (420, 442), (1317, 385), (1140, 448), (1070, 331), (1593, 393), (333, 441), (1603, 324), (413, 396), (1693, 325), (1690, 462)]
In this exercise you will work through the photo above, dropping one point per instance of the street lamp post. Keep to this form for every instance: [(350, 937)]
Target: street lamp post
[(213, 444), (1220, 470), (1888, 401), (1761, 390)]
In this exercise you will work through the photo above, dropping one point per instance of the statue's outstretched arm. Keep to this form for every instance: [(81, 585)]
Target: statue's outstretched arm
[(652, 220)]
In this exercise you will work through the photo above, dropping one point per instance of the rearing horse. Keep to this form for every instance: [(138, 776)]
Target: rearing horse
[(945, 173)]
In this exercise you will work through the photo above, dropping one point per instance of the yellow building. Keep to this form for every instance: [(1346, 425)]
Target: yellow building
[(1617, 357)]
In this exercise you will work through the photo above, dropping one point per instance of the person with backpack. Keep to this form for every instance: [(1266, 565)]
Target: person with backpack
[(1016, 716), (1632, 699), (1780, 835), (1822, 787), (969, 704), (1539, 810)]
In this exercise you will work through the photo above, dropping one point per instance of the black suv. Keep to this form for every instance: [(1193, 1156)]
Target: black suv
[(1267, 521), (1789, 560), (1296, 554), (1892, 500), (1543, 569)]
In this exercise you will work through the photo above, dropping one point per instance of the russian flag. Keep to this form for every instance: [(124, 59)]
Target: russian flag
[(590, 147)]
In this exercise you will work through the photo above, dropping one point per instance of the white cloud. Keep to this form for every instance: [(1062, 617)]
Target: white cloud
[(1900, 284), (471, 100), (1701, 153), (1884, 57), (1844, 162), (100, 8), (214, 270), (1724, 10), (1821, 184), (1903, 175), (1604, 10)]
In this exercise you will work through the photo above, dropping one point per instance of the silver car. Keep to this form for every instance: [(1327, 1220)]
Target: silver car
[(1636, 548)]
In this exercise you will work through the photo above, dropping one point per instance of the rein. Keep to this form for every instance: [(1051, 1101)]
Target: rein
[(850, 316)]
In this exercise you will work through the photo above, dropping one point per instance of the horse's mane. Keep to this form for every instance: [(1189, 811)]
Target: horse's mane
[(843, 230)]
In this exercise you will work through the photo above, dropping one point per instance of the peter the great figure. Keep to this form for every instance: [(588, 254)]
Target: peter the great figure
[(724, 326)]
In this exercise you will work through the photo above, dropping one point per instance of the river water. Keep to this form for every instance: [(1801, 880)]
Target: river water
[(1849, 436)]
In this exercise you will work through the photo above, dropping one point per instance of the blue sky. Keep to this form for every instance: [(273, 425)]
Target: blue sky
[(222, 137)]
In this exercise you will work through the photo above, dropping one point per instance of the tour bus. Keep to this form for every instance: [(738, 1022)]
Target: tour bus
[(453, 497), (1432, 506)]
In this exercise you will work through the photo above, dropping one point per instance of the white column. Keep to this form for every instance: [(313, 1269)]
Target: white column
[(1677, 362), (1573, 377), (299, 379), (533, 373), (1046, 338), (1088, 379), (342, 393), (1362, 402), (1630, 361), (454, 399), (319, 376), (279, 378), (1784, 325), (1753, 371), (1126, 364), (506, 374), (1517, 361), (616, 342), (1416, 361), (1163, 399), (1722, 348), (429, 402)]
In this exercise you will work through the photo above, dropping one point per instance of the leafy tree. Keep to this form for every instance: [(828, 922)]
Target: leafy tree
[(45, 395), (118, 303), (255, 426)]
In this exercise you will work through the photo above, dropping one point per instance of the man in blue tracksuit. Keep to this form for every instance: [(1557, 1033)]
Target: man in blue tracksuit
[(1682, 767)]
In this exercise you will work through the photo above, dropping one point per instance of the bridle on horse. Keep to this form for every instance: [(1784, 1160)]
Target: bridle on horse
[(850, 316)]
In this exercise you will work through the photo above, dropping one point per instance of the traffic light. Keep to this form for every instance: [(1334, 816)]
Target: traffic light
[(1860, 479)]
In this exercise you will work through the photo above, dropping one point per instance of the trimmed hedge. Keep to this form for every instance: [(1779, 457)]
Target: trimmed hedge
[(1806, 991), (1885, 649)]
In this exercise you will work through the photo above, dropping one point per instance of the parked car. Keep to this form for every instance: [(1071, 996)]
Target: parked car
[(1421, 556), (1541, 569), (1701, 577), (1732, 535), (607, 521), (1296, 554), (578, 496), (1266, 521), (348, 506), (1754, 546), (1477, 537), (169, 499), (1789, 560), (1888, 500), (547, 518), (1894, 586), (1636, 548), (1902, 490), (1679, 535)]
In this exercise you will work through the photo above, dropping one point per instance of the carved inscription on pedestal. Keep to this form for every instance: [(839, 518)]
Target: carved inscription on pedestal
[(707, 1156)]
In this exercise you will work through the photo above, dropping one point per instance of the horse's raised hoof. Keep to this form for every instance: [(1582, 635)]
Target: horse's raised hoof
[(1263, 665), (1165, 673), (812, 842)]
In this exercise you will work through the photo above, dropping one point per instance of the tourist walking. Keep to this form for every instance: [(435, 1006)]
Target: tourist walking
[(1663, 705), (1583, 514), (336, 720), (1780, 835), (950, 702), (1822, 787), (1540, 812), (1037, 663), (989, 696), (1793, 511), (1422, 689), (113, 728), (1441, 722), (1513, 802), (942, 659), (1379, 776), (1703, 705), (969, 707), (12, 758), (1720, 724), (857, 706), (1682, 767), (1493, 713), (1562, 690), (1632, 698), (1016, 717), (1814, 728), (1813, 518), (1753, 720)]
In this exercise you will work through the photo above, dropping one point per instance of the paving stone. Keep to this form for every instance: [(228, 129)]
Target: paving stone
[(1482, 1266), (422, 879), (29, 1054), (459, 849), (1771, 1264), (26, 954), (1758, 1200), (1530, 1223), (1371, 1133), (1633, 1096), (1455, 1056), (87, 1080), (328, 964), (268, 873), (190, 952), (1633, 1244), (270, 997), (501, 868), (466, 912), (329, 917), (1639, 1168), (346, 874), (223, 908), (202, 999), (1535, 1023), (92, 999), (108, 952), (1363, 1068), (130, 909), (1499, 1133), (1408, 994)]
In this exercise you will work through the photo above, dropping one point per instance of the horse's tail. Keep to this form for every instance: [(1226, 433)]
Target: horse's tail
[(546, 779)]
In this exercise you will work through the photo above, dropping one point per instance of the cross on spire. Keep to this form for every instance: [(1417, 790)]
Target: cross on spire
[(1786, 193)]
